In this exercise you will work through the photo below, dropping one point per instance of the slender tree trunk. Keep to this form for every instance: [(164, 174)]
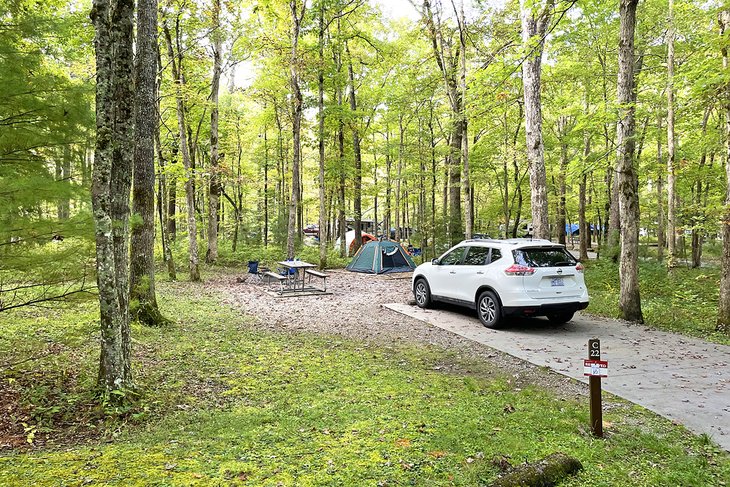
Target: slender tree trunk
[(322, 161), (466, 183), (698, 224), (296, 107), (111, 182), (341, 218), (661, 240), (398, 180), (183, 138), (723, 315), (357, 197), (161, 192), (583, 227), (629, 298), (142, 246), (214, 189), (388, 185), (671, 172), (534, 25), (448, 63), (563, 130)]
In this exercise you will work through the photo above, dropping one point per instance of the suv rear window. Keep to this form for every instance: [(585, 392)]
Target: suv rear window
[(544, 257)]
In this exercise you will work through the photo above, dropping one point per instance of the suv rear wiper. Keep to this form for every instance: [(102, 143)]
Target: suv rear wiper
[(562, 264)]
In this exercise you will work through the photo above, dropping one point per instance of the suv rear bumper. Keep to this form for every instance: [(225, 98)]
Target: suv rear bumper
[(544, 309)]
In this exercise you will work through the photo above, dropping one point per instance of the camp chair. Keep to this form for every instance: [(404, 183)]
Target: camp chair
[(256, 271)]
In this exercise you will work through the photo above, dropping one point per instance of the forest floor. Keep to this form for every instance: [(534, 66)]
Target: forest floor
[(244, 388)]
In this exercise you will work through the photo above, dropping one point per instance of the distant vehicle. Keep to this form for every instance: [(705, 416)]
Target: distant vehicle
[(502, 278), (311, 230)]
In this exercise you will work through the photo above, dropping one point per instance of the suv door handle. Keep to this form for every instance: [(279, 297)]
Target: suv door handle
[(480, 272), (452, 272)]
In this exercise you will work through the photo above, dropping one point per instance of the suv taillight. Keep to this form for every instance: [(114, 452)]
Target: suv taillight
[(519, 270), (579, 267)]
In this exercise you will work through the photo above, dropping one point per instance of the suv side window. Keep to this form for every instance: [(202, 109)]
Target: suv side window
[(496, 255), (453, 257), (477, 256)]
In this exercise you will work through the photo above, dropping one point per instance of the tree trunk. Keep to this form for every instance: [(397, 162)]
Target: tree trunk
[(357, 197), (447, 63), (466, 183), (563, 131), (183, 140), (112, 175), (142, 246), (661, 240), (322, 161), (671, 171), (296, 107), (629, 299), (723, 315), (534, 25), (583, 227), (214, 189)]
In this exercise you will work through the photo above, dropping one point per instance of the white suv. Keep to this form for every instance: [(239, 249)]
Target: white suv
[(500, 278)]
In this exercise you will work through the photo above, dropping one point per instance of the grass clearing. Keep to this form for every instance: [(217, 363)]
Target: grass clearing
[(223, 403)]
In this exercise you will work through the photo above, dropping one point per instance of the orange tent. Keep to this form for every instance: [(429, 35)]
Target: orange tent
[(366, 237)]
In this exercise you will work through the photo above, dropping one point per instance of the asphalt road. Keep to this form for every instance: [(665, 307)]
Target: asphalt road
[(683, 379)]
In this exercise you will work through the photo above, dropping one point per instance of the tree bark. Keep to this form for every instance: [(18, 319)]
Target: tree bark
[(142, 245), (111, 181), (723, 314), (671, 171), (297, 14), (357, 197), (214, 189), (583, 227), (466, 183), (629, 298), (322, 161), (189, 181), (534, 25), (563, 131), (448, 63), (551, 470), (661, 240)]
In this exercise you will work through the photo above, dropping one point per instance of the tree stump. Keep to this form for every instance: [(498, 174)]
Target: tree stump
[(544, 473)]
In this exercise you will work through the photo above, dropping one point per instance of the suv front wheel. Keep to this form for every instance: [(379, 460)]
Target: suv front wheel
[(422, 293), (489, 310)]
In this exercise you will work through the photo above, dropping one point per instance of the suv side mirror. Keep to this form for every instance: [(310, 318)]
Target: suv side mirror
[(435, 262)]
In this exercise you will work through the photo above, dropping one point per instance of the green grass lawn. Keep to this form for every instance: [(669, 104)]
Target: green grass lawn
[(224, 404), (683, 300)]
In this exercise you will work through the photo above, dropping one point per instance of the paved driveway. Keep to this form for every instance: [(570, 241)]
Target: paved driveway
[(680, 378)]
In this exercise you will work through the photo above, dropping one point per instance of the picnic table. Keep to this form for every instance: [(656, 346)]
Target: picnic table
[(295, 281)]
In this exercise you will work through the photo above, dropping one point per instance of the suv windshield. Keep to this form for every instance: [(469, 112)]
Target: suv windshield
[(544, 257)]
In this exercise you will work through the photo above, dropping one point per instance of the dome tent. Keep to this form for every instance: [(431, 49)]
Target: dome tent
[(380, 257)]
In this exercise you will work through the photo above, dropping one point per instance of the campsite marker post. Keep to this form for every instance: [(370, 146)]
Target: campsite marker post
[(595, 368)]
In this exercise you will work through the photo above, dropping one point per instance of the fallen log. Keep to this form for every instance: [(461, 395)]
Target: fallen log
[(544, 473)]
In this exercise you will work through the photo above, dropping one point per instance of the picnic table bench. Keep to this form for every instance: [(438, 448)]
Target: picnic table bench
[(277, 277), (321, 275)]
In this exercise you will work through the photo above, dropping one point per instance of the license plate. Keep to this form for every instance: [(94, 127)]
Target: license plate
[(557, 281)]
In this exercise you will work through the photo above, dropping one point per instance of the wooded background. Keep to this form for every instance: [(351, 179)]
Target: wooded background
[(237, 124)]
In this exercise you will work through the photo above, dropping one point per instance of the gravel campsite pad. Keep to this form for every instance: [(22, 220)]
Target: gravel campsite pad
[(355, 310)]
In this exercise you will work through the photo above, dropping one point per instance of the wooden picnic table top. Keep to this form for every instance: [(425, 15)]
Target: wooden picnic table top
[(296, 264)]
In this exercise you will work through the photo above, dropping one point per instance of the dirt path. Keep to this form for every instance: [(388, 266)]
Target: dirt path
[(355, 309)]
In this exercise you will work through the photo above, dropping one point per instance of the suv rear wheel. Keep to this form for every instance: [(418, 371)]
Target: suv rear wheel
[(560, 318), (489, 310), (422, 293)]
